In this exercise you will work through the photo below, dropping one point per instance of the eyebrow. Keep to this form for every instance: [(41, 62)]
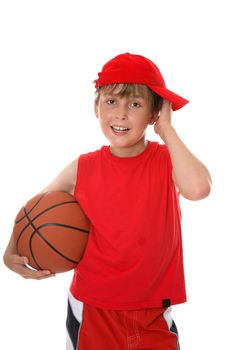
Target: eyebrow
[(130, 96), (137, 96)]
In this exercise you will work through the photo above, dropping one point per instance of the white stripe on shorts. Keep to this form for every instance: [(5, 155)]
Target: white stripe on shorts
[(77, 310), (167, 317), (171, 324), (77, 307)]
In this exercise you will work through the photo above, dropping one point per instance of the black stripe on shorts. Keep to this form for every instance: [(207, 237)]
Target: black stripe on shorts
[(72, 326)]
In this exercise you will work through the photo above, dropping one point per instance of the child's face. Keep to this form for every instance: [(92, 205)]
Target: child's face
[(124, 120)]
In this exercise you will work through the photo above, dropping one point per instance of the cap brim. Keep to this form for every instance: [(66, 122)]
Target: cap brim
[(176, 100)]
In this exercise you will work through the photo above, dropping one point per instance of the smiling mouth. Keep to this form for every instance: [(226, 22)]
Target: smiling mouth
[(119, 129)]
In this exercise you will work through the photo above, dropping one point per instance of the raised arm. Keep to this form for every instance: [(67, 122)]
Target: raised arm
[(190, 175)]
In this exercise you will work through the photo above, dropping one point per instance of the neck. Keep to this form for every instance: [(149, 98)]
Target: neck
[(130, 151)]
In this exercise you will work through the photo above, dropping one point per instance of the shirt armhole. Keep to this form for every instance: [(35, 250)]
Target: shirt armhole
[(170, 168), (77, 175)]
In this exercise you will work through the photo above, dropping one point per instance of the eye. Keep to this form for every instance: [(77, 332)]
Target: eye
[(135, 105), (110, 101)]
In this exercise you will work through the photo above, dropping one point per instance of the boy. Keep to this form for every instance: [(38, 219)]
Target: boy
[(132, 270)]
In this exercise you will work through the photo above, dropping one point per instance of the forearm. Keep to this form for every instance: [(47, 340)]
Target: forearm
[(18, 263), (189, 173), (11, 248)]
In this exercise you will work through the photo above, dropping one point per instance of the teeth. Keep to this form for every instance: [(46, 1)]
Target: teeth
[(119, 128)]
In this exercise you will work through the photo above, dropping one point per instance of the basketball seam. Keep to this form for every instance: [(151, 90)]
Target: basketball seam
[(36, 231), (17, 221), (38, 215), (42, 196)]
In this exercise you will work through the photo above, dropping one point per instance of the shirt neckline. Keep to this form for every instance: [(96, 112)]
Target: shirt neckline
[(114, 157)]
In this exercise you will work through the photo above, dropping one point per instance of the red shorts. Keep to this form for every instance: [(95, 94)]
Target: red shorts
[(90, 328)]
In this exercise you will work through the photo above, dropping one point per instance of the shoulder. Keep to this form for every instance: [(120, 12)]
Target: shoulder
[(166, 162), (88, 159), (65, 179), (160, 150), (90, 155)]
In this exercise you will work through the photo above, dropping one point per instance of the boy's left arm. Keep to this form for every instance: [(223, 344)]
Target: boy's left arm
[(189, 174)]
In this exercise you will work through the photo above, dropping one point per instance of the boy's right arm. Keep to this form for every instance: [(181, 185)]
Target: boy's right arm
[(65, 181)]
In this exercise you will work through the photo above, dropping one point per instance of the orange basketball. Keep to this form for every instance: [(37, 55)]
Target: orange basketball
[(51, 230)]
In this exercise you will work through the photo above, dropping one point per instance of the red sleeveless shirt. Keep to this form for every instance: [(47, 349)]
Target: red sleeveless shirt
[(133, 258)]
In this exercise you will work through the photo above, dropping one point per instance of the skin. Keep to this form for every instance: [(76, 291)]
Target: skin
[(190, 175), (131, 112)]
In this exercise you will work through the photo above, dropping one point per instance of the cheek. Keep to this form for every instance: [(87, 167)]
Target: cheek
[(105, 114), (141, 121), (104, 121)]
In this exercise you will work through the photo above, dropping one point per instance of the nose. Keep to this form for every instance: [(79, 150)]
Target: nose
[(123, 117), (122, 113)]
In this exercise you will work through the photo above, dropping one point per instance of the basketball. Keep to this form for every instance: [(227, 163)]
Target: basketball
[(51, 230)]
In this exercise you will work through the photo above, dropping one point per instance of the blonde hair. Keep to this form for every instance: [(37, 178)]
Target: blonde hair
[(132, 89)]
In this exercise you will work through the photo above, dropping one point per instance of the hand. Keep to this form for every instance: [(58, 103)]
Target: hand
[(164, 119), (18, 264)]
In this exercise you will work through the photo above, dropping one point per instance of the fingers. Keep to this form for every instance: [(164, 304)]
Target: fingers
[(28, 273), (166, 105), (19, 264), (23, 260)]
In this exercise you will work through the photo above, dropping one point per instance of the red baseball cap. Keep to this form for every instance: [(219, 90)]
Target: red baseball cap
[(136, 69)]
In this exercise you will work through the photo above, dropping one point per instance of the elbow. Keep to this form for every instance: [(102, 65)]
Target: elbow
[(197, 193), (200, 194)]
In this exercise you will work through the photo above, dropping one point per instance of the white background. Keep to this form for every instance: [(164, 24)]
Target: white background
[(51, 52)]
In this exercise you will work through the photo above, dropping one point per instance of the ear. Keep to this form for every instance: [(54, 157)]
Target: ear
[(154, 118), (96, 108)]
